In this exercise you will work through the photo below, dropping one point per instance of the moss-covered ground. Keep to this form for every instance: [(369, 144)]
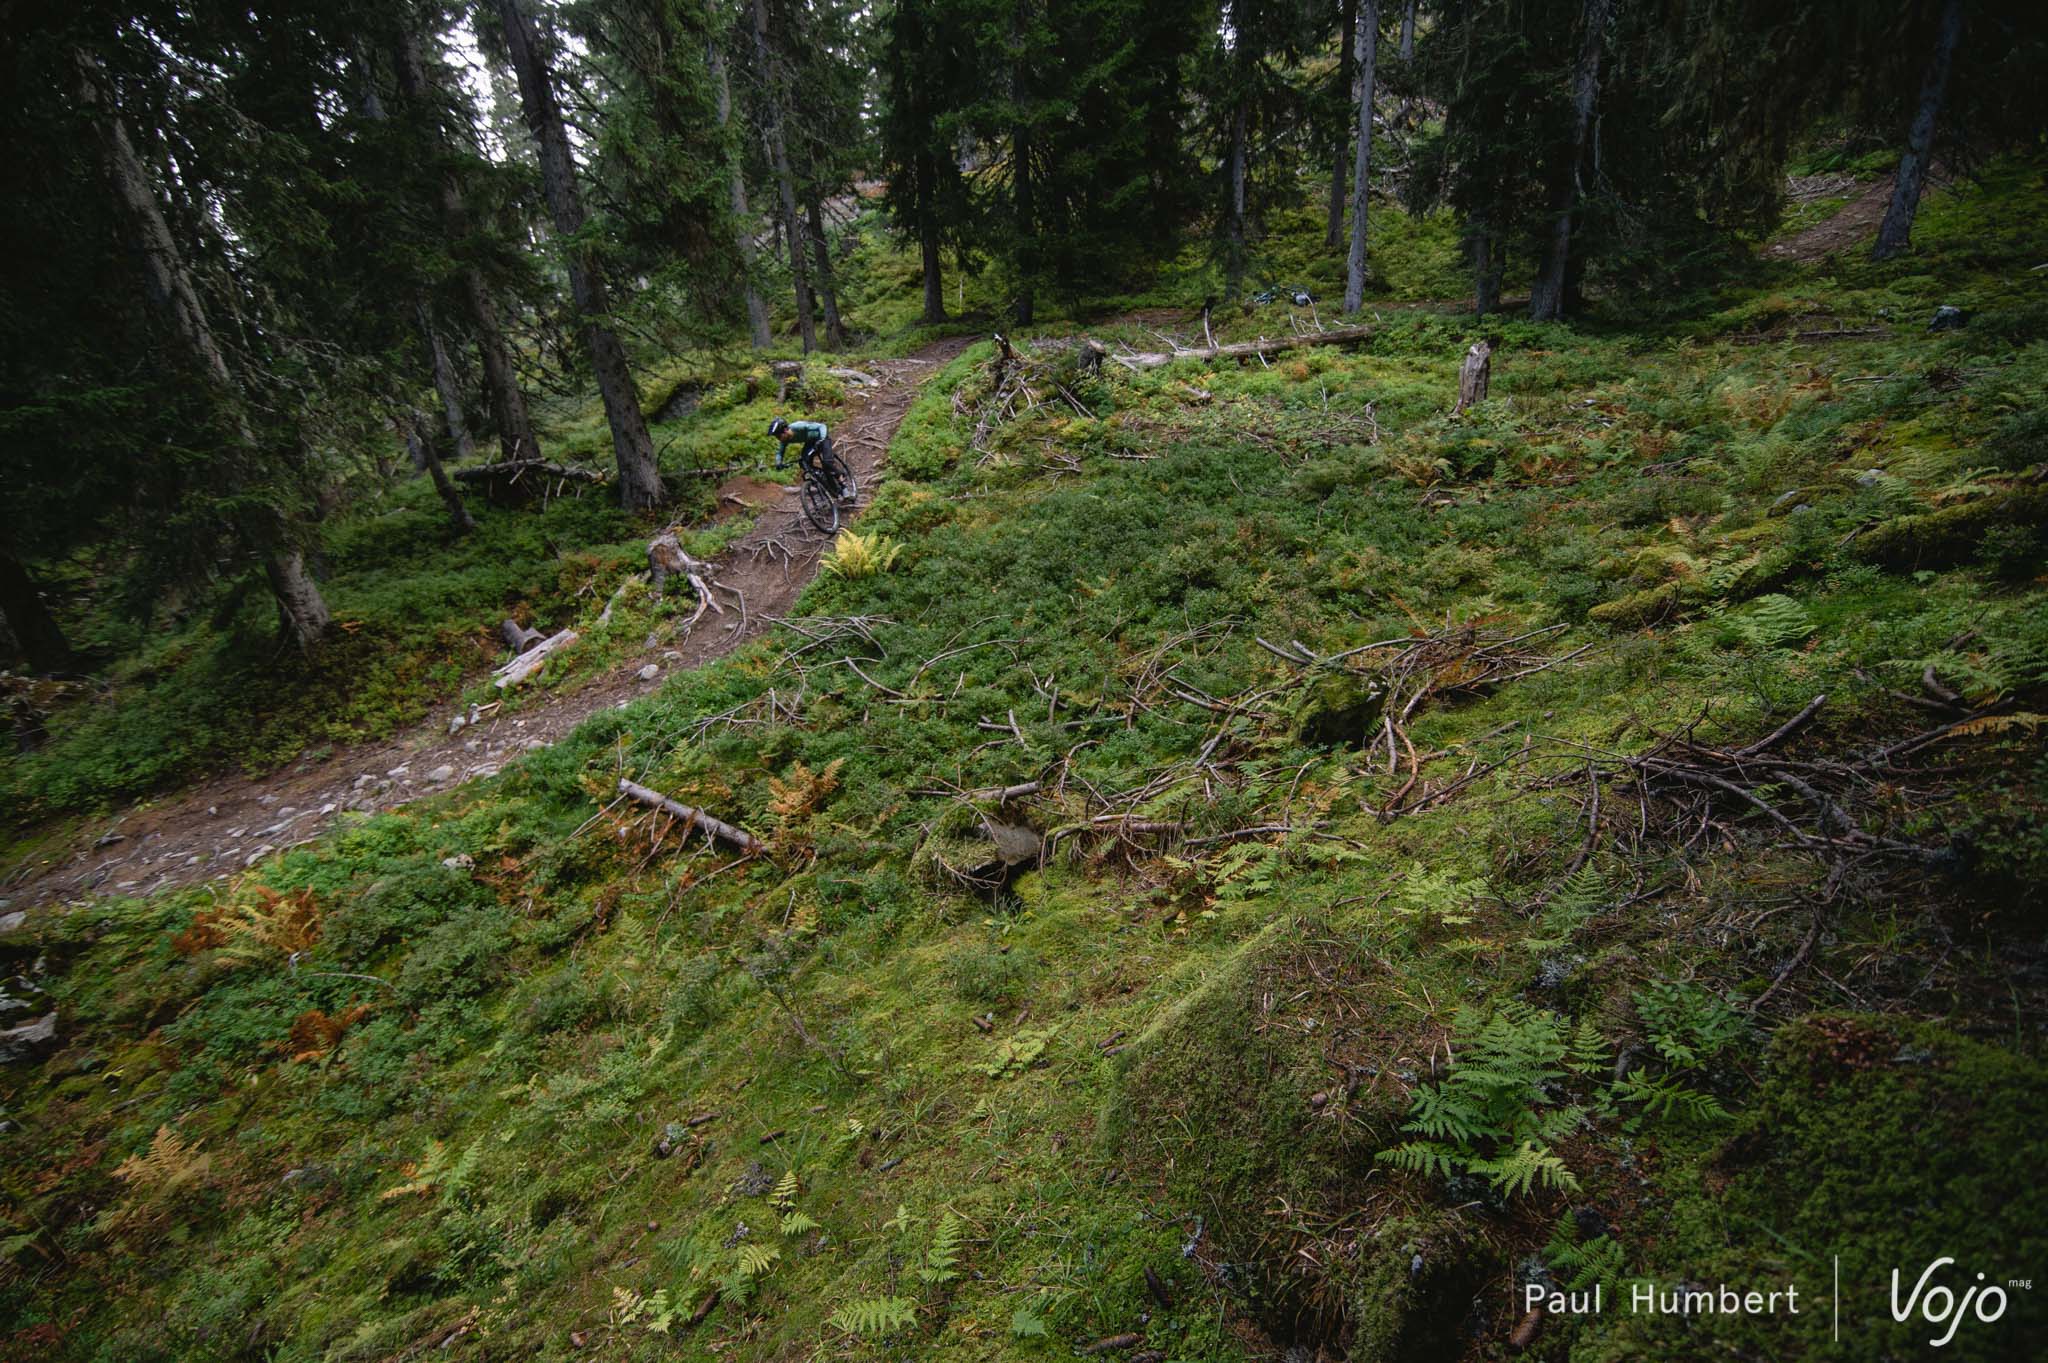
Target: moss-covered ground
[(518, 1073)]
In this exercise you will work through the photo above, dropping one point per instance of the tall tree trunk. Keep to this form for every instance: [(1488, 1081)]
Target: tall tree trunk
[(35, 629), (450, 390), (639, 480), (1361, 169), (1488, 265), (1340, 155), (172, 293), (928, 242), (1895, 233), (1408, 32), (835, 334), (785, 181), (757, 307), (501, 379), (1547, 294), (1027, 254), (418, 431)]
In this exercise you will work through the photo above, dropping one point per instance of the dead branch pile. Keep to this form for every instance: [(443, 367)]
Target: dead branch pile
[(1405, 672), (1021, 382), (1826, 805), (693, 817)]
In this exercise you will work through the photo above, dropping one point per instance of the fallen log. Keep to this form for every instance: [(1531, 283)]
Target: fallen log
[(531, 661), (696, 818), (1242, 350), (513, 480)]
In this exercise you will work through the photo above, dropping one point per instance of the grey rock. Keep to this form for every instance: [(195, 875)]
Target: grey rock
[(29, 1039), (266, 800), (444, 772), (461, 861), (1948, 318), (11, 922), (259, 854), (397, 772), (650, 672)]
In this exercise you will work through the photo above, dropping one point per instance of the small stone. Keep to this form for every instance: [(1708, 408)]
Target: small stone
[(266, 800), (9, 922), (461, 861), (213, 811), (455, 725), (192, 861), (1947, 318), (259, 854), (287, 811), (328, 808), (397, 772), (444, 772), (650, 672), (364, 780)]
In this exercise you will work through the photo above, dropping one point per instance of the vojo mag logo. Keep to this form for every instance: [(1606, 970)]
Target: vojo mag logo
[(1933, 1301)]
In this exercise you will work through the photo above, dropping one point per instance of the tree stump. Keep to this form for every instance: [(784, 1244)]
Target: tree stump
[(518, 637), (1475, 375)]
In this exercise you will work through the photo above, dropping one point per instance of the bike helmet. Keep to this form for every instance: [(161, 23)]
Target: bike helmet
[(778, 427)]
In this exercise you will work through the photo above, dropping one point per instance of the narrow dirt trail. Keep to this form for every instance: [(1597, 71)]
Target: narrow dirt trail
[(228, 824)]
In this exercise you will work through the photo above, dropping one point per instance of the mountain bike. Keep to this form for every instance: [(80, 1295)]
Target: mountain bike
[(826, 483)]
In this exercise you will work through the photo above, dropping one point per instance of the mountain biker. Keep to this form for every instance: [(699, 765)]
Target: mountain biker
[(812, 435)]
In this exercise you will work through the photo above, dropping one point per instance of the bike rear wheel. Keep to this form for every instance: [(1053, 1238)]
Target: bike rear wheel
[(820, 507), (837, 467)]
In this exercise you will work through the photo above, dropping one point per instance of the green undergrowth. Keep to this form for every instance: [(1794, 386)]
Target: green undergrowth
[(1287, 1042)]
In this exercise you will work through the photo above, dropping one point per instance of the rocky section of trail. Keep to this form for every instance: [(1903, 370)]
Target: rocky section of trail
[(230, 824)]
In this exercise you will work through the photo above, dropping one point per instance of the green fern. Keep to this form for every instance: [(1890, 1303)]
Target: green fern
[(1774, 621), (1495, 1114), (786, 1188), (1580, 1264), (1588, 1054), (796, 1223), (1688, 1023), (1524, 1167), (1584, 894), (1026, 1324), (942, 1259), (875, 1316), (1664, 1097)]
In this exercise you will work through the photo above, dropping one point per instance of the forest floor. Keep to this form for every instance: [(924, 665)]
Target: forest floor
[(230, 822)]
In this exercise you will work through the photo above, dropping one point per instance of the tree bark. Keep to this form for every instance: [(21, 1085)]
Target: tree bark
[(639, 480), (1475, 375), (1020, 175), (1408, 32), (785, 181), (1361, 172), (1487, 265), (173, 294), (35, 628), (1895, 233), (1547, 294), (757, 307), (928, 243), (501, 378), (419, 440), (1236, 235), (1340, 156), (828, 291)]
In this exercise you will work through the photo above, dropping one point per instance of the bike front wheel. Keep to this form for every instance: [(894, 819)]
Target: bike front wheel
[(820, 507)]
